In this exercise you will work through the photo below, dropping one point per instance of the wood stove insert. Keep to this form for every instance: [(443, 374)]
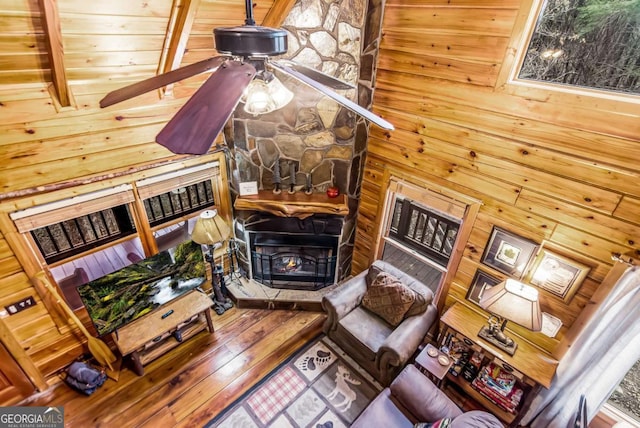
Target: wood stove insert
[(294, 253)]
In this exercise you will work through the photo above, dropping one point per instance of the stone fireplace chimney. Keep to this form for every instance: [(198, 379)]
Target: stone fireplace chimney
[(312, 143)]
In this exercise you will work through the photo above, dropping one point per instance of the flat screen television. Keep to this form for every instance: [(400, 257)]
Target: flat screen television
[(126, 294)]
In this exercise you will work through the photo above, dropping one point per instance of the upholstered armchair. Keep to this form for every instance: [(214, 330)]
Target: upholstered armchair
[(379, 346)]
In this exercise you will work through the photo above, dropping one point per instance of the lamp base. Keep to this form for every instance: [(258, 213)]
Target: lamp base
[(490, 336)]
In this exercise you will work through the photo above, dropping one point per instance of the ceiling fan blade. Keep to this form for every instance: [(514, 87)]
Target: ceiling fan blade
[(316, 75), (337, 97), (161, 80), (194, 128)]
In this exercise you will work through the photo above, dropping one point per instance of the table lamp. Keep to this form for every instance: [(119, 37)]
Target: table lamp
[(513, 301), (211, 230)]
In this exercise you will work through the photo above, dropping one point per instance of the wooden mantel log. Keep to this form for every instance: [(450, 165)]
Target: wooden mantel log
[(298, 204)]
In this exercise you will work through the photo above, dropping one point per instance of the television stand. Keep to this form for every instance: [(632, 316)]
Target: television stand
[(161, 330)]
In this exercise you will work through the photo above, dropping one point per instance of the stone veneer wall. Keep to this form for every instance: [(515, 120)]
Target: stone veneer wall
[(325, 143)]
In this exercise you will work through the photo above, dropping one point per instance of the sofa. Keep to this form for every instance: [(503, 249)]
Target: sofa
[(411, 399), (380, 347)]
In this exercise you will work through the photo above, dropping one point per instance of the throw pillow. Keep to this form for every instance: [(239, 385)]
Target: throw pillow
[(372, 273), (388, 298), (419, 305), (442, 423)]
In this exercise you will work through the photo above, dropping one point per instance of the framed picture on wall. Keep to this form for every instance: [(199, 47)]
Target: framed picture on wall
[(557, 274), (481, 282), (508, 253)]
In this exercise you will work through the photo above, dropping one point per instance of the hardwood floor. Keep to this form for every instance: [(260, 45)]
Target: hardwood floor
[(191, 384)]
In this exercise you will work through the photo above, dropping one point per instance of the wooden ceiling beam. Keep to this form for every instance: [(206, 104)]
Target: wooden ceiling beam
[(53, 37), (183, 14), (278, 13)]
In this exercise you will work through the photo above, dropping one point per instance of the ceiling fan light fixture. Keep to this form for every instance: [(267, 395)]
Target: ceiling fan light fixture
[(265, 94), (258, 100), (239, 74), (279, 93)]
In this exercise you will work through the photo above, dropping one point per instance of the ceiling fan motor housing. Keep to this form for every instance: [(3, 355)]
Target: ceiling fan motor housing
[(250, 40)]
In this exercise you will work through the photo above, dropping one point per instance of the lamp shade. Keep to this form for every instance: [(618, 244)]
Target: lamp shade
[(210, 228), (514, 301), (258, 98), (265, 94), (279, 93)]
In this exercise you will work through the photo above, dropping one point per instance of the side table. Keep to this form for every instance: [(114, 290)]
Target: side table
[(532, 368), (431, 366)]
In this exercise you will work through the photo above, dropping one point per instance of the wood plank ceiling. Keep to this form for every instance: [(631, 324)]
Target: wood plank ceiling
[(75, 47)]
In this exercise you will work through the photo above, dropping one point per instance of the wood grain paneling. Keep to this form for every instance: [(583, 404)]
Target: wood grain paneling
[(46, 152), (14, 384), (464, 47), (629, 209), (481, 20), (474, 72), (547, 166)]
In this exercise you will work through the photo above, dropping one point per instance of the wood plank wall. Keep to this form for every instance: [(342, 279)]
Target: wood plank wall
[(544, 167), (45, 150), (547, 166)]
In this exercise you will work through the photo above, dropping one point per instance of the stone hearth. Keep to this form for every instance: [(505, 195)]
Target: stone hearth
[(250, 294)]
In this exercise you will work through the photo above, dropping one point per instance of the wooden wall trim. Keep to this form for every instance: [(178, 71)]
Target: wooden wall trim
[(465, 231), (53, 37), (18, 353), (60, 190), (278, 13), (183, 13)]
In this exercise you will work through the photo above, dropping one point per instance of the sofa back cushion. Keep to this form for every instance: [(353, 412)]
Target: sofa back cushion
[(421, 397), (476, 419)]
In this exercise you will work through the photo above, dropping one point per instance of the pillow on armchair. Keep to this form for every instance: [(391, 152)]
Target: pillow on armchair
[(390, 299)]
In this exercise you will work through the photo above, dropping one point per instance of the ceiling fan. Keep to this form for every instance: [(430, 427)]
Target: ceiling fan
[(246, 52)]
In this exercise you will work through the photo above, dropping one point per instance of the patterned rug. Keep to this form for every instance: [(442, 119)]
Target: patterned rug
[(319, 386)]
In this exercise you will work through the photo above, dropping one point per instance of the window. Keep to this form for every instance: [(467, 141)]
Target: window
[(74, 236), (71, 226), (430, 233), (84, 237), (592, 44), (625, 397), (179, 202), (174, 195), (420, 241), (422, 232)]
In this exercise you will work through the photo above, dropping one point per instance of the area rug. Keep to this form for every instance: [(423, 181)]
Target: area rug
[(319, 386)]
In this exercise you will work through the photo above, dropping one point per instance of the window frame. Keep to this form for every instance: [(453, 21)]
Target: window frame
[(618, 414), (613, 415), (509, 82), (401, 234), (32, 261), (439, 198)]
